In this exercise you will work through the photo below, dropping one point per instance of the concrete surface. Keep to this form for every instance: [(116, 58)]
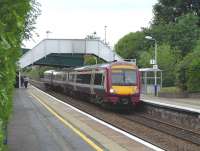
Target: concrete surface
[(33, 128), (190, 104)]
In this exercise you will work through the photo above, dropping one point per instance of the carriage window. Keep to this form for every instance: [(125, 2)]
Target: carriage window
[(48, 75), (78, 78), (83, 78), (98, 79), (65, 77), (59, 77), (71, 77)]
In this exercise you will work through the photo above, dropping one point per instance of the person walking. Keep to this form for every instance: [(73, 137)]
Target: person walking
[(26, 79), (22, 81)]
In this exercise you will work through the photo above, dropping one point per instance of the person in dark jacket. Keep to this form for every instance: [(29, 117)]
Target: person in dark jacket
[(26, 79), (22, 81)]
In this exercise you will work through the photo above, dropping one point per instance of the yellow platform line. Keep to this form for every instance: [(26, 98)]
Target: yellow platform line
[(85, 138)]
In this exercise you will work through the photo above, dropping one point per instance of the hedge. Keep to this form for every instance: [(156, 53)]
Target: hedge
[(16, 22)]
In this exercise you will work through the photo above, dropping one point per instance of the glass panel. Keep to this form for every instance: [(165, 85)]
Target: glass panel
[(71, 77), (98, 79), (83, 78), (124, 77)]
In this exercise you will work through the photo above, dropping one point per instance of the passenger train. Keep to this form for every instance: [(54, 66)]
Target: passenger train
[(115, 84)]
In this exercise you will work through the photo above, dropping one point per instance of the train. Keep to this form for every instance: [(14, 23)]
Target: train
[(115, 84)]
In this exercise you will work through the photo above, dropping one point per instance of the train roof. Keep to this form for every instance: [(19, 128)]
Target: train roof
[(49, 71), (90, 67), (53, 71), (102, 66)]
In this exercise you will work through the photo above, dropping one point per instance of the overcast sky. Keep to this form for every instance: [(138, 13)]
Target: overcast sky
[(70, 19)]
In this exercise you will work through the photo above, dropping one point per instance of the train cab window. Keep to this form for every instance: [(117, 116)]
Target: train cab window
[(98, 80), (124, 77)]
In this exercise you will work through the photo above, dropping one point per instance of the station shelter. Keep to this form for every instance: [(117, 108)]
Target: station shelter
[(148, 78)]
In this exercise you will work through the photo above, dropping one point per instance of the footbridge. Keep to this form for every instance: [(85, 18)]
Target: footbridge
[(67, 52)]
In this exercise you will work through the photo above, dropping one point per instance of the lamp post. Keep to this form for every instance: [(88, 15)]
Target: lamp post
[(105, 32), (48, 32), (155, 63)]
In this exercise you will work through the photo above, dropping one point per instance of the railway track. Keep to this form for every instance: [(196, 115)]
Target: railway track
[(165, 127), (147, 127)]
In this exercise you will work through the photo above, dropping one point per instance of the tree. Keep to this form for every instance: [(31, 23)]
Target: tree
[(179, 22), (182, 34), (166, 62), (144, 59), (131, 45), (166, 11), (188, 71), (91, 60), (30, 19)]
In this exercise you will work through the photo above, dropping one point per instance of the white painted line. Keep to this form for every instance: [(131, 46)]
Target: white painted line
[(106, 124), (172, 106)]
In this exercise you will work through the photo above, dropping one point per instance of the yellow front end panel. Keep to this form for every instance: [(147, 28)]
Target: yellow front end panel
[(123, 67), (124, 90)]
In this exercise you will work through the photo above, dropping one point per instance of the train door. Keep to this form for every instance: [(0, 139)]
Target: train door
[(92, 82)]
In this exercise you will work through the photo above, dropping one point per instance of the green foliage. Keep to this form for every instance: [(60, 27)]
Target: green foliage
[(13, 24), (182, 34), (166, 62), (177, 22), (36, 72), (131, 45), (144, 60), (30, 18), (166, 11), (188, 72), (170, 90), (91, 60), (1, 135)]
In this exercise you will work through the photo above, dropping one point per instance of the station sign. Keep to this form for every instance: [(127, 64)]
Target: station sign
[(155, 66), (152, 61)]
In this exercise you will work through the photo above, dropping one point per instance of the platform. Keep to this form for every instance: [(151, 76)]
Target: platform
[(187, 104), (43, 123), (33, 128)]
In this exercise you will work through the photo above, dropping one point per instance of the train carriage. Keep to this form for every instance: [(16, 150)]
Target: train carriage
[(116, 84)]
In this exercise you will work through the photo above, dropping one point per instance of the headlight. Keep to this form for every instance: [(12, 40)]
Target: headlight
[(112, 90), (137, 90)]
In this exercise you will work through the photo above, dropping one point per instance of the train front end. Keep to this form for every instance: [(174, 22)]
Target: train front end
[(124, 85)]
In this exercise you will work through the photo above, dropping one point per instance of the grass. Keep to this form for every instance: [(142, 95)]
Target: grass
[(170, 90)]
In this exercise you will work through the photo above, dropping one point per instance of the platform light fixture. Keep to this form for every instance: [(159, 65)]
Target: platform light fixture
[(155, 66), (48, 32)]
